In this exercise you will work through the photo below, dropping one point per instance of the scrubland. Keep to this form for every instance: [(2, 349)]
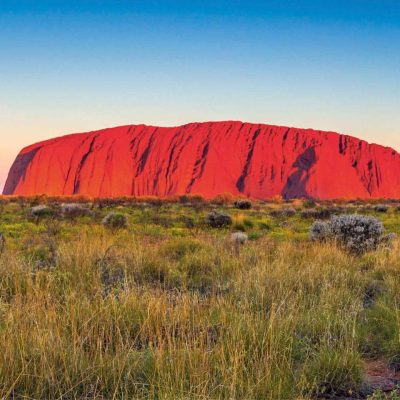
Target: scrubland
[(160, 305)]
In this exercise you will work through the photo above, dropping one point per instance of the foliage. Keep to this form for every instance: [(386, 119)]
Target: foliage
[(382, 208), (320, 231), (168, 309), (217, 219), (74, 210), (239, 238), (284, 212), (115, 220), (41, 211), (243, 204), (356, 233), (314, 213)]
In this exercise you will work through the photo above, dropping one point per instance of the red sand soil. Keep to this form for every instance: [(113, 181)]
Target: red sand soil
[(381, 377), (255, 160)]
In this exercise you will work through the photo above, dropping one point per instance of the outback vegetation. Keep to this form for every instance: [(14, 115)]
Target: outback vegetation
[(195, 299)]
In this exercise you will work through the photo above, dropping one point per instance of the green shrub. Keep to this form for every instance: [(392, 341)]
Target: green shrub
[(243, 204), (381, 208), (284, 212), (41, 211), (239, 226), (217, 219), (247, 222), (254, 235), (264, 225), (309, 203), (314, 213), (115, 221)]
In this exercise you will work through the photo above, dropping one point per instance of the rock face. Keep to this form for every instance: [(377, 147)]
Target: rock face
[(256, 160)]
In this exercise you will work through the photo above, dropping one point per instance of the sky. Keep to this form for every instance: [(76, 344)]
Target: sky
[(75, 66)]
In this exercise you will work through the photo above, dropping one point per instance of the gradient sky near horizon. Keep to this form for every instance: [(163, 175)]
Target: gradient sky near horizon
[(73, 66)]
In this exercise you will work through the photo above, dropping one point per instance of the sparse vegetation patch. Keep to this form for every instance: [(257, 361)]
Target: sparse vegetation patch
[(177, 300)]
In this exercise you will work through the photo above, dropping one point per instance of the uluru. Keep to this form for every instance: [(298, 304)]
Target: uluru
[(255, 160)]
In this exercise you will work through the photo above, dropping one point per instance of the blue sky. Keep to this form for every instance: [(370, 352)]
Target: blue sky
[(71, 66)]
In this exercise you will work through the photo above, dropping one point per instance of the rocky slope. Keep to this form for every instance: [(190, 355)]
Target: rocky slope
[(256, 160)]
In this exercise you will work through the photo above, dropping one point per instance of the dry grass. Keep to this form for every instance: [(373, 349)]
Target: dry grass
[(127, 315)]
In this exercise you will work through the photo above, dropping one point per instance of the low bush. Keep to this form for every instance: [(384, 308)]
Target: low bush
[(314, 213), (217, 219), (320, 231), (222, 199), (284, 212), (356, 233), (372, 292), (382, 208), (239, 226), (248, 223), (115, 221), (196, 199), (108, 203), (41, 211), (243, 204), (184, 199), (239, 238), (74, 210), (309, 203), (336, 210), (188, 222), (161, 220)]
